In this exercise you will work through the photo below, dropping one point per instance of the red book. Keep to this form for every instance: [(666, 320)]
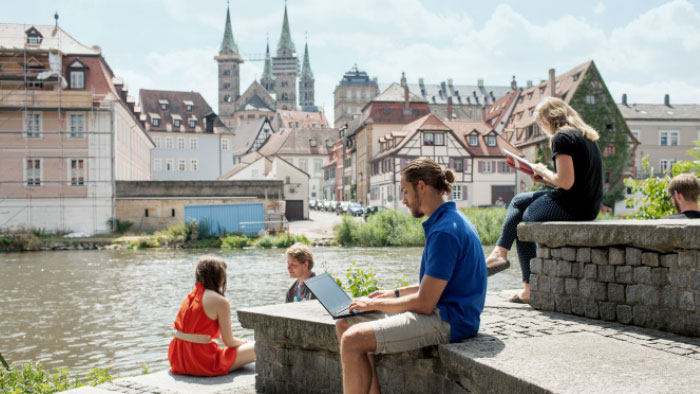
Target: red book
[(517, 162)]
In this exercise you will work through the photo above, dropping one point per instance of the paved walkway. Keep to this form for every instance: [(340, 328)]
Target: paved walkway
[(319, 228), (561, 353)]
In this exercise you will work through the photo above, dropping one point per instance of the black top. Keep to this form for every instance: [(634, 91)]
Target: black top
[(582, 200), (684, 215), (299, 293)]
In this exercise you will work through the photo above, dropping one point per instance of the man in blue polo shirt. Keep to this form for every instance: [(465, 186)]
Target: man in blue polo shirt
[(446, 304)]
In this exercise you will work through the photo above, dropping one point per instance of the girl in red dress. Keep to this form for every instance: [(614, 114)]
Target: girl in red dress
[(205, 314)]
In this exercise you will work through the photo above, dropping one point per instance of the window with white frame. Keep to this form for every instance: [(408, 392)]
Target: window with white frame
[(668, 137), (180, 143), (491, 140), (487, 166), (457, 192), (77, 172), (77, 126), (303, 165), (194, 143), (155, 122), (349, 94), (458, 164), (157, 165), (673, 138), (473, 140), (317, 165), (194, 165), (666, 164), (188, 107), (32, 125), (169, 166), (168, 142), (224, 143), (32, 172), (177, 123), (156, 140), (439, 139), (181, 165), (77, 79), (193, 123), (590, 99)]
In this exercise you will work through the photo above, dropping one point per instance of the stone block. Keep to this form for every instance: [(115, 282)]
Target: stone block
[(633, 294), (694, 280), (669, 297), (651, 296), (555, 252), (583, 255), (688, 260), (578, 306), (633, 256), (571, 286), (585, 288), (590, 271), (606, 273), (642, 275), (563, 269), (568, 254), (686, 300), (592, 311), (544, 284), (599, 291), (678, 277), (607, 311), (549, 267), (616, 256), (650, 259), (534, 282), (675, 321), (557, 286), (692, 322), (669, 260), (536, 266), (562, 304), (623, 274), (624, 313), (659, 276), (543, 252), (656, 319), (542, 301), (640, 315), (577, 270), (616, 293), (599, 256)]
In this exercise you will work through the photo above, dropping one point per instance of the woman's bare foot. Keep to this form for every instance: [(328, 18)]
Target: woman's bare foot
[(497, 261)]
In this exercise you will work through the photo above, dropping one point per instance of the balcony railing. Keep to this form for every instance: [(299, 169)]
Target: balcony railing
[(36, 99)]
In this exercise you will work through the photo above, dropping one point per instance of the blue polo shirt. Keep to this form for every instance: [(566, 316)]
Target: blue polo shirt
[(453, 253)]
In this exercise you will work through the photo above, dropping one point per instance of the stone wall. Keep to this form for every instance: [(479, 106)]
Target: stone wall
[(643, 273)]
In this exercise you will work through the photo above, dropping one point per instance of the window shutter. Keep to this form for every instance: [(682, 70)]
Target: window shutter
[(452, 163), (481, 166), (464, 165), (464, 192), (494, 163), (403, 162)]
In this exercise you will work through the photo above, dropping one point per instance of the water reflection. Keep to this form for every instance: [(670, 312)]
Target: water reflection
[(115, 309)]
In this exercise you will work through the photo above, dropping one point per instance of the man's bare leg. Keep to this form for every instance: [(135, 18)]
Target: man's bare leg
[(359, 374)]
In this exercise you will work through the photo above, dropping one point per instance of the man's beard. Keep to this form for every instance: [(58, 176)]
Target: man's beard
[(415, 209)]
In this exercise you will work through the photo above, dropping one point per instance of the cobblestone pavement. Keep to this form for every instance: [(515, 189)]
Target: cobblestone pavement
[(500, 320)]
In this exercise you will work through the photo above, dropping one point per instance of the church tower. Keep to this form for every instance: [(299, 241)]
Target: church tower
[(268, 79), (229, 73), (306, 84), (285, 68)]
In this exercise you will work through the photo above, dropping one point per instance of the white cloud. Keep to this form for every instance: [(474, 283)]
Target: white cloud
[(599, 8)]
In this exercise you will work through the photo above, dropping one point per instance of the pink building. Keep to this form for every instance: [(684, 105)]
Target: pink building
[(68, 131)]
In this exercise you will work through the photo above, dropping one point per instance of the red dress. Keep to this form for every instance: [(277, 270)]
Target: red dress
[(197, 359)]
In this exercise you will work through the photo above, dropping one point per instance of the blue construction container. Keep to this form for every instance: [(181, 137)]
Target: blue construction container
[(215, 219)]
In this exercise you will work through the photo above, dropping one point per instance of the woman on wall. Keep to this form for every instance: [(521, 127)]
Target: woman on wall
[(577, 186)]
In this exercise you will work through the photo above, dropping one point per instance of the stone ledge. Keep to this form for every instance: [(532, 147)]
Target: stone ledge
[(664, 235)]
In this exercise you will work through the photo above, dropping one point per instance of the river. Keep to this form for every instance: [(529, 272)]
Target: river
[(115, 308)]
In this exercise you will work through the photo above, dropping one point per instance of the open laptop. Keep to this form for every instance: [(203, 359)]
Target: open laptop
[(331, 296)]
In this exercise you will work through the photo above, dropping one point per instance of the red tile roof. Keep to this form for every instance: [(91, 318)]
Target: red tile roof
[(300, 120), (465, 129)]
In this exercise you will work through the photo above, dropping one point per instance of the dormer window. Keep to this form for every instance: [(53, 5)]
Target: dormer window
[(76, 74), (177, 122), (34, 38), (163, 104), (155, 122), (188, 105), (312, 142), (437, 139), (193, 123), (491, 140), (329, 143), (473, 140)]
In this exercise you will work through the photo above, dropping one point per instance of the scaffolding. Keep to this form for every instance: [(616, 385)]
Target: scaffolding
[(81, 187)]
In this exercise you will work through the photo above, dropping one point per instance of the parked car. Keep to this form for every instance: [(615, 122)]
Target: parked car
[(372, 209), (342, 207), (312, 204), (327, 205), (355, 209)]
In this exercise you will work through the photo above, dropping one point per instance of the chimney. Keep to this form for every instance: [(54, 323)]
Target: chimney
[(403, 79), (528, 84), (480, 82), (624, 99), (443, 89), (513, 84), (552, 83), (667, 100), (449, 108), (406, 108)]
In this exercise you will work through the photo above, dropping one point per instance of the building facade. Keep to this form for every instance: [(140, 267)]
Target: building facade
[(190, 140), (68, 132), (354, 91)]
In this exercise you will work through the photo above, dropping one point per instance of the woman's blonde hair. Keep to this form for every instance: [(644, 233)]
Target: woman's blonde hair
[(556, 115)]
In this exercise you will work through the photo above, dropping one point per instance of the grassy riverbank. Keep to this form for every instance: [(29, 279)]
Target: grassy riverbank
[(395, 228), (34, 378)]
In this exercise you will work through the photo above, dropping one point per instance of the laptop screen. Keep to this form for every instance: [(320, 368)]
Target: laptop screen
[(328, 292)]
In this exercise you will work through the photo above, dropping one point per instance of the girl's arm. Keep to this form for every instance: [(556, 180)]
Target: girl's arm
[(223, 313), (563, 178)]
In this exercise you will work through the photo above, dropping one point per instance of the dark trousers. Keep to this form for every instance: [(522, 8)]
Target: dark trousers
[(529, 207)]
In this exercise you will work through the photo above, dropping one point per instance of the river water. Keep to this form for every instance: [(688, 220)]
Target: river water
[(115, 308)]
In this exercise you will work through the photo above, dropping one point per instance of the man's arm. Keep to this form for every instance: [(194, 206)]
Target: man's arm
[(421, 301)]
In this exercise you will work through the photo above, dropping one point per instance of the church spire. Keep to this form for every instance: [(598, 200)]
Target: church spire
[(286, 37), (228, 43), (267, 71), (306, 68)]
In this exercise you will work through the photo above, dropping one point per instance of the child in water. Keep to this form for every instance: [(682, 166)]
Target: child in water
[(205, 314)]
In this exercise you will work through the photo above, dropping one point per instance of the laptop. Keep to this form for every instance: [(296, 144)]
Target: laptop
[(331, 296)]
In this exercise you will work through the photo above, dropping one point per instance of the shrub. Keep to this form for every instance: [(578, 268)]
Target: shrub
[(19, 241), (385, 228), (33, 378), (488, 222), (359, 282), (234, 241), (264, 242), (281, 240), (122, 226)]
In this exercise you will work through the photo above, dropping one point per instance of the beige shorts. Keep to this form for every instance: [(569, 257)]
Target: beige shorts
[(404, 331)]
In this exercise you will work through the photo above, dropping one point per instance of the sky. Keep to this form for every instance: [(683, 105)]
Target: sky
[(644, 48)]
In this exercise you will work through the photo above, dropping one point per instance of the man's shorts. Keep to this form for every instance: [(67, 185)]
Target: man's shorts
[(395, 333)]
